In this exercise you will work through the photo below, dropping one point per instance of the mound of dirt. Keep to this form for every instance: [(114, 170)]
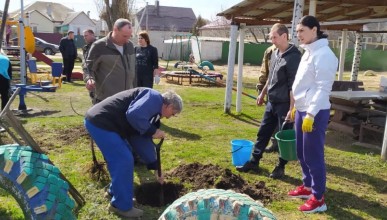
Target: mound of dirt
[(198, 176)]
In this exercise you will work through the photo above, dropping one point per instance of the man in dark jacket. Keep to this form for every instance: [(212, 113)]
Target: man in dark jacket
[(124, 122), (283, 69), (111, 62), (69, 54)]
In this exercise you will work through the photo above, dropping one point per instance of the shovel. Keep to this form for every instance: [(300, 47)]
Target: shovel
[(158, 147)]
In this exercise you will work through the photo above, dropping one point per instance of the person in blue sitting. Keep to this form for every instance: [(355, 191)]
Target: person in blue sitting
[(129, 120)]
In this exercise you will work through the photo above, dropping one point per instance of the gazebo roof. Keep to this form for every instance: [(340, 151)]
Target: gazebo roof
[(333, 14)]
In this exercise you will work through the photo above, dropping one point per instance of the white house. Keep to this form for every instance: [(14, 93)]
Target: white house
[(51, 21), (77, 22)]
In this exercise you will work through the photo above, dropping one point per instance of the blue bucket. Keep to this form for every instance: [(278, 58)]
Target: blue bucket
[(241, 151)]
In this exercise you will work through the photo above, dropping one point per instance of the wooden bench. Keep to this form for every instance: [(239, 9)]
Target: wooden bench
[(375, 121), (345, 113), (357, 117)]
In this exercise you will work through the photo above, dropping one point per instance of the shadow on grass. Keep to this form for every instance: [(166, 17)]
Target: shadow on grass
[(341, 141), (291, 180), (180, 134), (76, 83), (36, 113), (380, 185), (246, 119), (339, 202), (37, 94)]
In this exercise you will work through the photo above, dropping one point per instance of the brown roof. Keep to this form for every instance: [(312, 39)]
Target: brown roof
[(268, 12)]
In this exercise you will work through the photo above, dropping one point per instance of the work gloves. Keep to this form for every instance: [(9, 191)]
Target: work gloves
[(307, 124), (293, 114)]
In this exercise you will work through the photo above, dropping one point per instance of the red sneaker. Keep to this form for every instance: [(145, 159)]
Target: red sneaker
[(312, 205), (300, 192)]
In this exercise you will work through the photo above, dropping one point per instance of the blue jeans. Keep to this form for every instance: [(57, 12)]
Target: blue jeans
[(310, 151)]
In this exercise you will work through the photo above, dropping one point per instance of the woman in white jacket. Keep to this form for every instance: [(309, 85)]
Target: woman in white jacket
[(311, 90)]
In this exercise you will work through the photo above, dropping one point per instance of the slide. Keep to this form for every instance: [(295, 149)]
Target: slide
[(30, 47), (41, 57)]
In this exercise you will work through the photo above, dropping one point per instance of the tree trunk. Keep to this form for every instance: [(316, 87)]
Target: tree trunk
[(118, 9), (255, 37)]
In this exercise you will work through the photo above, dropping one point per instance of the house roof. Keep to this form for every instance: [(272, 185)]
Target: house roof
[(333, 14), (53, 11), (167, 18), (45, 16), (71, 16)]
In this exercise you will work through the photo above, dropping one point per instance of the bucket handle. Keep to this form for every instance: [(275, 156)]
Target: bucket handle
[(236, 150), (283, 124)]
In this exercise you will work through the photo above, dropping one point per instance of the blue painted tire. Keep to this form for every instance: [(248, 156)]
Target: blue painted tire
[(35, 184), (216, 204)]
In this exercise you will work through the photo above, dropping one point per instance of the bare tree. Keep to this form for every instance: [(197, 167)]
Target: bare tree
[(111, 10), (200, 22), (255, 36)]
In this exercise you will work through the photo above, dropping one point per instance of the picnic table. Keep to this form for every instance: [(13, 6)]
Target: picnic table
[(361, 97)]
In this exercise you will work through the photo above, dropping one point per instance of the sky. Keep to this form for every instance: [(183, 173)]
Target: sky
[(206, 8)]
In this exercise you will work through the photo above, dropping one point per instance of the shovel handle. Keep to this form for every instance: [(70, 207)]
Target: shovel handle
[(158, 147)]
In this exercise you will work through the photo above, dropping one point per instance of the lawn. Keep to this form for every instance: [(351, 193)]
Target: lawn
[(356, 176)]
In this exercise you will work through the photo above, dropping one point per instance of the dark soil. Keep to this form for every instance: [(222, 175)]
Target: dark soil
[(71, 135), (197, 176)]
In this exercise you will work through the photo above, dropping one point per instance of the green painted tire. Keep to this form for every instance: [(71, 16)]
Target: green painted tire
[(216, 204), (208, 64), (35, 183)]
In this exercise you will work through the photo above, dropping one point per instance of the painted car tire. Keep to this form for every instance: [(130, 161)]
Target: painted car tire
[(35, 183), (208, 64), (216, 204)]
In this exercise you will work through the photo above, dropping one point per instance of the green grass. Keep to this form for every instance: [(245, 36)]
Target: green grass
[(356, 177)]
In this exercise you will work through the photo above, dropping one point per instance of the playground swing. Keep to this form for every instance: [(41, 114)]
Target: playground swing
[(186, 66), (192, 56), (26, 44)]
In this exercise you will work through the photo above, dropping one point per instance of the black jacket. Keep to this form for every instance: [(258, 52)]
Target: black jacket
[(283, 69), (67, 48)]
